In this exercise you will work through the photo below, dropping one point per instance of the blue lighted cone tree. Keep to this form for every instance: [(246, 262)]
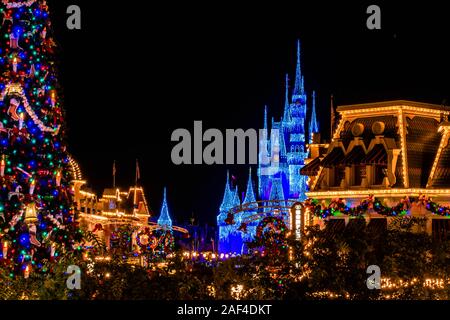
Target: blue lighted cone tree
[(37, 221)]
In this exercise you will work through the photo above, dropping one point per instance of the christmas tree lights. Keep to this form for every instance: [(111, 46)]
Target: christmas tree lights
[(37, 220)]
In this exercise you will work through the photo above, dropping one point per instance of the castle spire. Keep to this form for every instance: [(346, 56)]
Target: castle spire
[(249, 194), (227, 196), (265, 117), (286, 103), (164, 217), (313, 126), (299, 86)]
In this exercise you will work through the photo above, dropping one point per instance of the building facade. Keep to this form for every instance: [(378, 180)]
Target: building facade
[(392, 151)]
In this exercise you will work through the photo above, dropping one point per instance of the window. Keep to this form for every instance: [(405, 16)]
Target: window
[(380, 171), (339, 174), (359, 174), (441, 229)]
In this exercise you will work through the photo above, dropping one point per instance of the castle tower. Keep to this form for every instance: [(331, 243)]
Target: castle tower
[(282, 153), (230, 240), (295, 135)]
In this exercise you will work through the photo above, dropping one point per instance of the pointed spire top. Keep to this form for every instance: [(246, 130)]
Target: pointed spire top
[(314, 123), (313, 126), (298, 87), (249, 194), (286, 102), (265, 117), (227, 196), (164, 217)]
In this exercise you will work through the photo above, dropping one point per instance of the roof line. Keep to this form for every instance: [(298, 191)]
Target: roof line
[(392, 103)]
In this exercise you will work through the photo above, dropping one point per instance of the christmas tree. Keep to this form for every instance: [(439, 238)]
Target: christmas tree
[(37, 219)]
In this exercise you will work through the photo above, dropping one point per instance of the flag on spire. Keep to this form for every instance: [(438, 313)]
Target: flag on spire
[(114, 174), (138, 171)]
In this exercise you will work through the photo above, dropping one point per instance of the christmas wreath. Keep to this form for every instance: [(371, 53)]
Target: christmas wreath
[(271, 235)]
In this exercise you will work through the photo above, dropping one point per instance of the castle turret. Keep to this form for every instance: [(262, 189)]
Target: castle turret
[(164, 217), (313, 125)]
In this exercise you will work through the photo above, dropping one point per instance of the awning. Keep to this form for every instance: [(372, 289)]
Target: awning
[(377, 155), (312, 168), (354, 157), (333, 158)]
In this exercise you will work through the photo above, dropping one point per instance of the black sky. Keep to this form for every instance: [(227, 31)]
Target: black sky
[(135, 73)]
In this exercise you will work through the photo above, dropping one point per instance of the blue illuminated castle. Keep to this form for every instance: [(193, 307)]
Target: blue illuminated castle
[(282, 154)]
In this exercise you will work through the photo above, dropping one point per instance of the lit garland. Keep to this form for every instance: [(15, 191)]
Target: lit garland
[(11, 5), (16, 89), (338, 207)]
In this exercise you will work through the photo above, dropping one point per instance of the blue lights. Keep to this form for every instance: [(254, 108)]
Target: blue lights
[(24, 240), (280, 179), (164, 218)]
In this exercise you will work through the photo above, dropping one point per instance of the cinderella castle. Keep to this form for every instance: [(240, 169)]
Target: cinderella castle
[(279, 178)]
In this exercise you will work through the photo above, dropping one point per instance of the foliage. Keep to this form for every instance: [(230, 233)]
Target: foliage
[(322, 265)]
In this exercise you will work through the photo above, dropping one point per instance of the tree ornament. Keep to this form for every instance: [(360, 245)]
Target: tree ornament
[(14, 41), (2, 128), (32, 71), (30, 214), (7, 16), (33, 239), (26, 272), (53, 98), (18, 4), (14, 64), (32, 186), (44, 33), (15, 219), (21, 119), (5, 249), (58, 178), (2, 166), (41, 91), (17, 193), (12, 110)]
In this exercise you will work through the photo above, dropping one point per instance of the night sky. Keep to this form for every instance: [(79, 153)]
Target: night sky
[(135, 73)]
